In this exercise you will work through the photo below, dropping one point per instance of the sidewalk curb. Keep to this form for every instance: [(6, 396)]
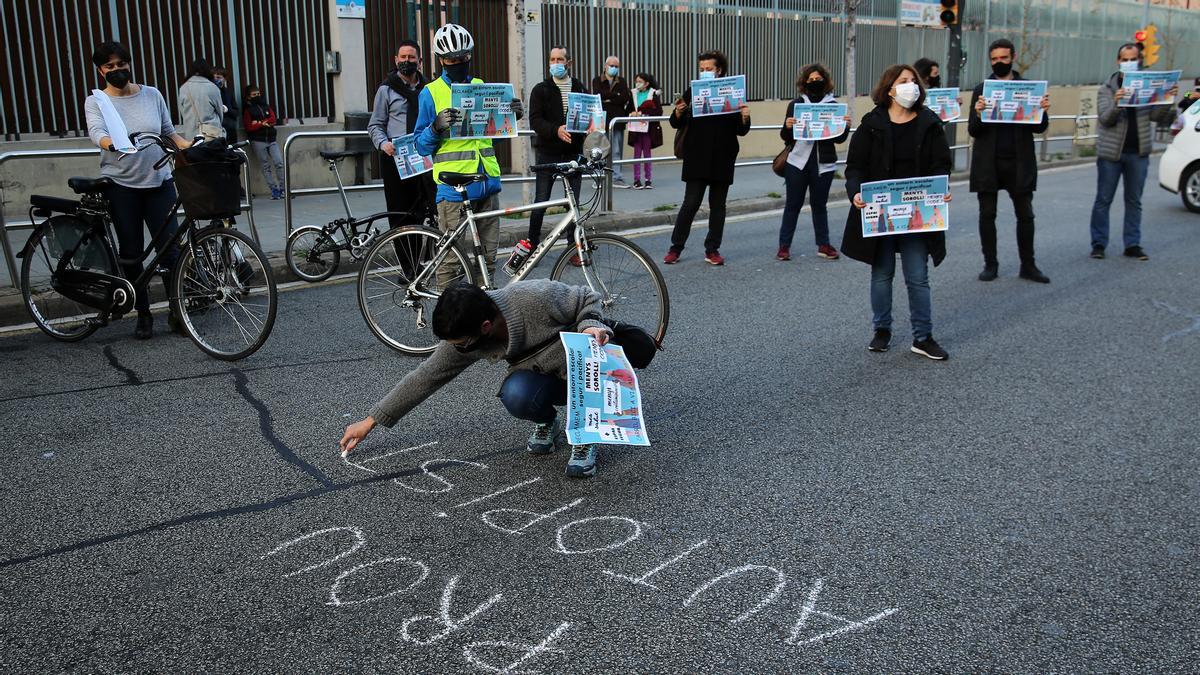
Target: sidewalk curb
[(12, 308)]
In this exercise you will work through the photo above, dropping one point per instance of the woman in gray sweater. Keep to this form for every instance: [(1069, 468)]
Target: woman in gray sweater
[(201, 112), (140, 194)]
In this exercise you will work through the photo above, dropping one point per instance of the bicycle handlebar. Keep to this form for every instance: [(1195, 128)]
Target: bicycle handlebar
[(572, 166)]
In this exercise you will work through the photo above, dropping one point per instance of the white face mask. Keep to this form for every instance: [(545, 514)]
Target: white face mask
[(707, 75), (907, 94), (1128, 66)]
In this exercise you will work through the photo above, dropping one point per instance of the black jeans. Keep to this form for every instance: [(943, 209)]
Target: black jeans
[(411, 196), (692, 196), (1023, 205), (133, 208), (544, 184)]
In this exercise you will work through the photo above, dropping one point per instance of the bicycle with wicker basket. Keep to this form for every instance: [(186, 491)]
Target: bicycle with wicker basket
[(221, 285)]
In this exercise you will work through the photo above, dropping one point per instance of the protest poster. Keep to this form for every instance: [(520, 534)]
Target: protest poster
[(1013, 101), (410, 162), (944, 102), (818, 121), (1149, 87), (905, 205), (921, 13), (718, 96), (487, 111), (604, 401), (585, 113)]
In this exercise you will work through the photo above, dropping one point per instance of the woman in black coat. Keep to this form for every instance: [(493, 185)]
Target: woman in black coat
[(900, 138), (710, 150)]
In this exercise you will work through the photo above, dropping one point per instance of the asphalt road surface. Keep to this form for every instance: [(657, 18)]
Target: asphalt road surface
[(1029, 505)]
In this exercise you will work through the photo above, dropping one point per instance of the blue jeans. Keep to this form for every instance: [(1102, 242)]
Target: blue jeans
[(532, 396), (913, 253), (798, 181), (1133, 169)]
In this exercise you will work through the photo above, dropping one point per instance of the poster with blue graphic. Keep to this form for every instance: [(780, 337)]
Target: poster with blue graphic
[(1149, 87), (944, 102), (410, 162), (818, 121), (718, 96), (351, 9), (585, 113), (921, 13), (1013, 101), (905, 206), (604, 401), (487, 111)]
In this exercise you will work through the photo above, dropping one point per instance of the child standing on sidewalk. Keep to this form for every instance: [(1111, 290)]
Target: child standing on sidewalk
[(645, 136)]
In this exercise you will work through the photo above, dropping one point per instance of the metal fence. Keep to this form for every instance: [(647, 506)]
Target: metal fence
[(769, 40), (278, 45)]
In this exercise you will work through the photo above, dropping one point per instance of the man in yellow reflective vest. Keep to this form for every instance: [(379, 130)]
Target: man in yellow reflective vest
[(453, 47)]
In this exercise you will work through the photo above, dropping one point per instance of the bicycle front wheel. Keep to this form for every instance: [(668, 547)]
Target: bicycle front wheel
[(56, 314), (311, 253), (397, 309), (224, 292), (631, 288)]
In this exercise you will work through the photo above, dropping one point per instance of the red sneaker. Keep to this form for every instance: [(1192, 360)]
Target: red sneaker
[(827, 252), (671, 258), (784, 253), (714, 258)]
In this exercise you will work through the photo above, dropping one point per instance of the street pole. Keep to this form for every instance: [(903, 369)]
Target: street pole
[(1145, 12), (955, 59)]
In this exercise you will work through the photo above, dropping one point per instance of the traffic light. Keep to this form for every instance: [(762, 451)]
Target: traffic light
[(1147, 40), (949, 15)]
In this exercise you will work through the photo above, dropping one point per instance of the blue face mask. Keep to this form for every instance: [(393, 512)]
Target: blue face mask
[(558, 70), (613, 70), (1128, 66), (708, 75)]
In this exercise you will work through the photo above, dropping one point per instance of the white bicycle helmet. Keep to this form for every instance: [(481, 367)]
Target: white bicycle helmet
[(452, 41)]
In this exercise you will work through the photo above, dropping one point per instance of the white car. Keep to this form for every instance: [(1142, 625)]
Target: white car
[(1179, 168)]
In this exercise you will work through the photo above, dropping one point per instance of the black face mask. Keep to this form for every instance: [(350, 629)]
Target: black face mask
[(118, 78), (815, 89), (257, 99), (1002, 69), (935, 82), (459, 72), (407, 68)]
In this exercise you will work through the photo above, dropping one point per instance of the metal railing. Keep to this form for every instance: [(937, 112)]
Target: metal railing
[(1044, 138), (289, 191), (10, 259)]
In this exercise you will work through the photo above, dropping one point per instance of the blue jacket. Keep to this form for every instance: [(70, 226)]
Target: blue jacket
[(428, 141)]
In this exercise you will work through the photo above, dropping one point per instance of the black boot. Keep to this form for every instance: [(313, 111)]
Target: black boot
[(1031, 272), (990, 271), (145, 326)]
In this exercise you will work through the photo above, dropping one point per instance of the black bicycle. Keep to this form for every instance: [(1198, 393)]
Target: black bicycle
[(313, 252), (221, 286)]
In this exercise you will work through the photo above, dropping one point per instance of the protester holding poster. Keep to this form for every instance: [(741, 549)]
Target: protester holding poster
[(1123, 153), (900, 138), (553, 142), (454, 47), (617, 100), (810, 165), (1004, 159), (394, 114), (645, 136), (519, 324), (709, 149)]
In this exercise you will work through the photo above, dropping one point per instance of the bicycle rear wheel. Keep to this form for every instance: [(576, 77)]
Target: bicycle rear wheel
[(54, 313), (629, 283), (311, 253), (398, 311), (224, 292)]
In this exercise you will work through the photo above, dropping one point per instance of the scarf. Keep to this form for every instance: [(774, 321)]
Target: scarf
[(409, 93)]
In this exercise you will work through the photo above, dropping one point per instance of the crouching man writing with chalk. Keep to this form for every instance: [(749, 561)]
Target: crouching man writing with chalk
[(519, 323)]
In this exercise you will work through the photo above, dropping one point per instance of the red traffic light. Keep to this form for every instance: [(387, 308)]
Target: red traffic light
[(1139, 36)]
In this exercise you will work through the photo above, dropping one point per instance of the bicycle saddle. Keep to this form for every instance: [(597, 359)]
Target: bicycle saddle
[(83, 186), (455, 179), (334, 156)]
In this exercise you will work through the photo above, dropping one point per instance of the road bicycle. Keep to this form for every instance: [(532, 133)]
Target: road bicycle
[(406, 269), (220, 285), (313, 252)]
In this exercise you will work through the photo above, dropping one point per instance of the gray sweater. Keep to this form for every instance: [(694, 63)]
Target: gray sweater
[(145, 111), (536, 312), (200, 109), (389, 116), (1114, 121)]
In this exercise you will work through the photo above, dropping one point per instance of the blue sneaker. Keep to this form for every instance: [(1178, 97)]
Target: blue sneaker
[(583, 461), (544, 439)]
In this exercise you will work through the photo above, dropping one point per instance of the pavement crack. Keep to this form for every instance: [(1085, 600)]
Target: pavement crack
[(266, 424), (131, 378)]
